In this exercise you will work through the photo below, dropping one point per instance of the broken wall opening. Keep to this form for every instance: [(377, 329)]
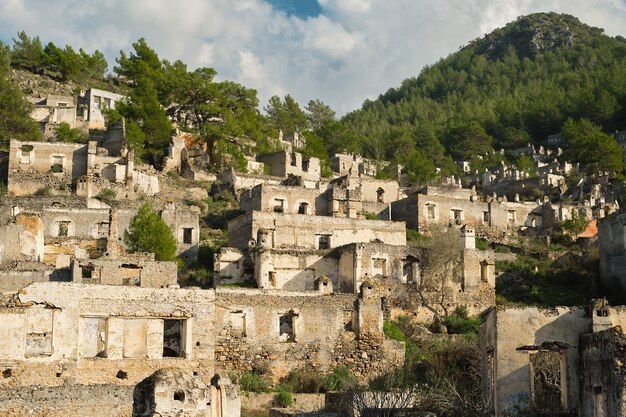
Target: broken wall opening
[(187, 235), (173, 337), (39, 328), (238, 323), (92, 341), (287, 326), (547, 381)]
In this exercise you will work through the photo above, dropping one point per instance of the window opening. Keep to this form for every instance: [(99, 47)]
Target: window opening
[(187, 233)]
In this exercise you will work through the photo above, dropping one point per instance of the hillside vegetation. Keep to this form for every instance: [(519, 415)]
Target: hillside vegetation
[(542, 74), (516, 85)]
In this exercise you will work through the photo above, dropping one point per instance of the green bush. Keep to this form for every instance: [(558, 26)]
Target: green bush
[(501, 249), (305, 380), (482, 244), (284, 399), (459, 322), (252, 382), (370, 216), (393, 331), (65, 133), (44, 192), (149, 233), (414, 235), (56, 168), (107, 194), (339, 380), (197, 276)]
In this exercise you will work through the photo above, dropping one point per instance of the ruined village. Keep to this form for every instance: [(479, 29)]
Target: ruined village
[(292, 271)]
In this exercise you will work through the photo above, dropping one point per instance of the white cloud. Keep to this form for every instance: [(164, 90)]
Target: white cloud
[(327, 37), (356, 49)]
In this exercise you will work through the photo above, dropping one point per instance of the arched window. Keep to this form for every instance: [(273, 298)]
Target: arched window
[(380, 195), (303, 208)]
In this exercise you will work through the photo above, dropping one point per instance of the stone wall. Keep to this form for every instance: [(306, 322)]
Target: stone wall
[(67, 400), (37, 165), (612, 245), (276, 332), (237, 182), (603, 374), (127, 270), (251, 401), (60, 333), (312, 232), (284, 199)]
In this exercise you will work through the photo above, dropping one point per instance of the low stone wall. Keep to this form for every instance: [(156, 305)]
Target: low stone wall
[(251, 401), (67, 400)]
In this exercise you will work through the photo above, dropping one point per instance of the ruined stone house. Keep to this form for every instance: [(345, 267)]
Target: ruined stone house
[(53, 110), (56, 230), (612, 245), (86, 334), (61, 168), (567, 361), (90, 105)]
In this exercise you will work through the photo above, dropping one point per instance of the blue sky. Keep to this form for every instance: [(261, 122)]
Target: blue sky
[(339, 51), (299, 8)]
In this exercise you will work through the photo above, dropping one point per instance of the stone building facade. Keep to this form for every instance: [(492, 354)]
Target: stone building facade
[(60, 168), (565, 362), (283, 163), (612, 245), (299, 231), (59, 335)]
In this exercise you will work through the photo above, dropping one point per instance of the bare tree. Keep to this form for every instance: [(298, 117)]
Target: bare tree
[(388, 395), (442, 257)]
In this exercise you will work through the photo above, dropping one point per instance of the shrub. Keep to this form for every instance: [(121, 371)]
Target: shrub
[(304, 380), (459, 322), (197, 276), (56, 168), (44, 192), (371, 216), (340, 379), (501, 249), (149, 233), (65, 133), (482, 244), (284, 399), (107, 194), (252, 382), (393, 331)]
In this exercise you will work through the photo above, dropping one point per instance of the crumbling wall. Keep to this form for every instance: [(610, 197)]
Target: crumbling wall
[(283, 163), (314, 232), (603, 373), (280, 331), (105, 334), (612, 245), (52, 165), (127, 270), (543, 329), (284, 199)]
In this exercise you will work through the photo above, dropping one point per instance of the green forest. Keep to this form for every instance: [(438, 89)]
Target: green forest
[(540, 75), (537, 76)]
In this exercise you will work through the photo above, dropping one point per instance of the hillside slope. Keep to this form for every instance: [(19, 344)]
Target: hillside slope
[(519, 83)]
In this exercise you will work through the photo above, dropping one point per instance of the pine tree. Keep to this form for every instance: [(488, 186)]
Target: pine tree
[(149, 233)]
